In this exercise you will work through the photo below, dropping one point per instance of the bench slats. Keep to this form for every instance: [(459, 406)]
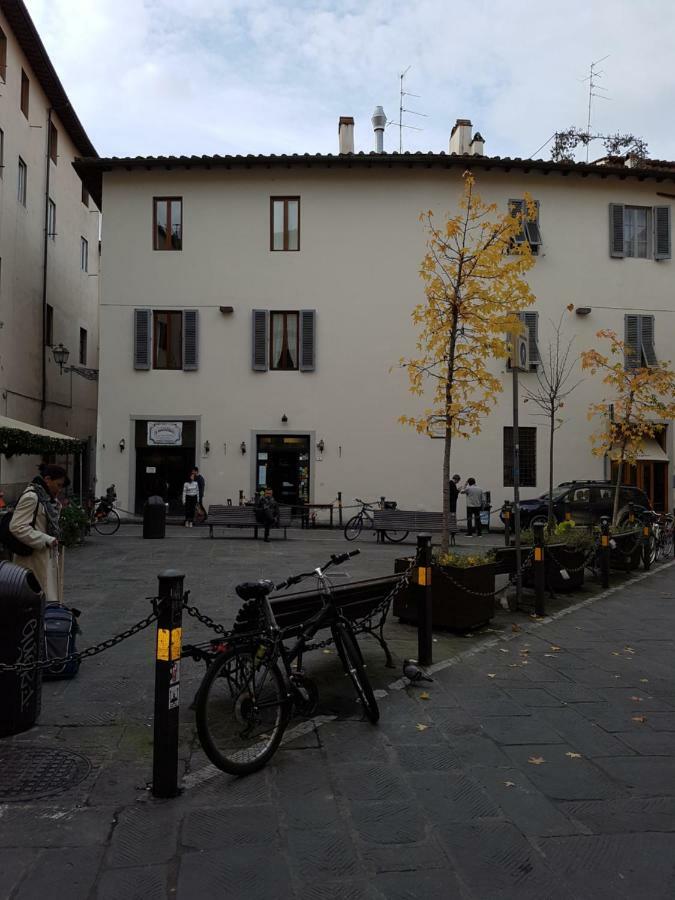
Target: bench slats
[(221, 515), (407, 520)]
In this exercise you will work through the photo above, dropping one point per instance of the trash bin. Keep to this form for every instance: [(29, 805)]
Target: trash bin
[(21, 639), (154, 518)]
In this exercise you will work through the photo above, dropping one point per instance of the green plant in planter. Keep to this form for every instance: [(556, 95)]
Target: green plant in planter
[(575, 538), (462, 561), (73, 523)]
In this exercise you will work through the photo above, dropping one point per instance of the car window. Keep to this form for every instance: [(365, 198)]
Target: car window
[(581, 495), (605, 493)]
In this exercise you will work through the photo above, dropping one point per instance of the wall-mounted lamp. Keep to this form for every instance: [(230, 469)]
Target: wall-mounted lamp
[(207, 447), (582, 310), (242, 447), (123, 445), (284, 418), (60, 354), (320, 446)]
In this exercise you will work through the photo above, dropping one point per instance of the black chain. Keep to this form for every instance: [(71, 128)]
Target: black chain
[(206, 620)]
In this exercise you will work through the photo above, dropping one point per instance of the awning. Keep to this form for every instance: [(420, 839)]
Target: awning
[(650, 451), (18, 437)]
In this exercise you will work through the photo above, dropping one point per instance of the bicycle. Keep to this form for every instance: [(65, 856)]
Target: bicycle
[(102, 516), (663, 534), (245, 700), (354, 526)]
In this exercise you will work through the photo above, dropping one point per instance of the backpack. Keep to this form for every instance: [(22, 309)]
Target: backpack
[(61, 630), (12, 543)]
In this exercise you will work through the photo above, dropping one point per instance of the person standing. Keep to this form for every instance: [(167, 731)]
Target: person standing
[(35, 522), (474, 500), (190, 499), (267, 511), (454, 494), (201, 484)]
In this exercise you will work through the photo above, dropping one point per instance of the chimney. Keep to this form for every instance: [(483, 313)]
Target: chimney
[(477, 146), (346, 134), (379, 121), (460, 137)]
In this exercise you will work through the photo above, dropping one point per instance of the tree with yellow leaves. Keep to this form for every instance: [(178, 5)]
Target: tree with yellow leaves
[(640, 400), (474, 288)]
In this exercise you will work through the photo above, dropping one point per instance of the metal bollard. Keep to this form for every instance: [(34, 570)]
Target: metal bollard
[(506, 512), (539, 567), (241, 498), (646, 546), (167, 684), (424, 600), (339, 501), (604, 551)]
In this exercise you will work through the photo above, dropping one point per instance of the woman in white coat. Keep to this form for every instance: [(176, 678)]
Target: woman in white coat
[(35, 522)]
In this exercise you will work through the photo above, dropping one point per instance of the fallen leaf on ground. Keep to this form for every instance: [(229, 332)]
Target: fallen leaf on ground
[(536, 760), (424, 695), (327, 650), (637, 699), (515, 627), (550, 655), (491, 674), (503, 650), (524, 652), (615, 652), (554, 648), (639, 718), (629, 650), (573, 755), (514, 665), (644, 680), (525, 662), (509, 784), (421, 727)]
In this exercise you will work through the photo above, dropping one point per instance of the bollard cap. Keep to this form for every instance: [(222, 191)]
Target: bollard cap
[(171, 573)]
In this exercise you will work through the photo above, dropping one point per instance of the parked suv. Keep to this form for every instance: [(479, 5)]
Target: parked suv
[(586, 501)]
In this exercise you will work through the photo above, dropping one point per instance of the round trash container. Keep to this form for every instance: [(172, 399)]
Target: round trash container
[(154, 518), (21, 640)]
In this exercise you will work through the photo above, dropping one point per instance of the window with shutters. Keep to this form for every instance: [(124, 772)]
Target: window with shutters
[(639, 232), (284, 223), (83, 346), (23, 181), (167, 340), (84, 254), (527, 456), (167, 223), (53, 143), (284, 340), (25, 93), (51, 220), (639, 342), (531, 323), (530, 232), (3, 56)]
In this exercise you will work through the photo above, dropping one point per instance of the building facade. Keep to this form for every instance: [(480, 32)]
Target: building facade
[(49, 228), (254, 311)]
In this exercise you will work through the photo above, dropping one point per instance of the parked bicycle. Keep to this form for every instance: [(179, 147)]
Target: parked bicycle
[(663, 535), (354, 526), (103, 517), (251, 689)]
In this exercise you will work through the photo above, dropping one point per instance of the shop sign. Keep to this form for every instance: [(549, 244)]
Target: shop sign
[(165, 434)]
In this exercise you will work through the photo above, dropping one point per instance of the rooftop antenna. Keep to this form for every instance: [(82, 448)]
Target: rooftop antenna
[(401, 109), (593, 88)]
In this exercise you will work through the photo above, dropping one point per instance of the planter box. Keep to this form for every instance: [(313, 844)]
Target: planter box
[(555, 556), (453, 606), (628, 552)]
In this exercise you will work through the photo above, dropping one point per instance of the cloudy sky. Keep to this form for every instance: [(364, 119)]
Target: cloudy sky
[(257, 76)]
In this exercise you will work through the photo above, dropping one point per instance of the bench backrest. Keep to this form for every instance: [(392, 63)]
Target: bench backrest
[(241, 515), (407, 520)]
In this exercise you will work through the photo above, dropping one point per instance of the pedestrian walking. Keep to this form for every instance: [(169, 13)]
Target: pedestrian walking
[(454, 494), (35, 523), (267, 511), (190, 499), (201, 484), (474, 501)]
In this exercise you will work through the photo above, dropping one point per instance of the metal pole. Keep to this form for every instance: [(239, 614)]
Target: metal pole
[(539, 566), (516, 482), (167, 684), (424, 600), (646, 545), (604, 551), (339, 499), (507, 523)]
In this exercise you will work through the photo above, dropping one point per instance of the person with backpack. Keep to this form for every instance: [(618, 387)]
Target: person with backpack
[(267, 511), (34, 531), (474, 501)]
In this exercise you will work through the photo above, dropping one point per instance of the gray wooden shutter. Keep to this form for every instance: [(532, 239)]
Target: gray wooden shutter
[(661, 232), (531, 320), (260, 341), (632, 354), (190, 340), (647, 340), (532, 230), (142, 338), (616, 229), (517, 209), (307, 340)]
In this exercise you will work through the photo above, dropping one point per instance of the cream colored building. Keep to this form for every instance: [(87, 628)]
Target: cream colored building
[(253, 308), (49, 231)]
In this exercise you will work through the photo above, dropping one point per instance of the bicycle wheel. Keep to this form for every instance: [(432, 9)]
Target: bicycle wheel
[(352, 661), (353, 527), (107, 522), (242, 711), (395, 536)]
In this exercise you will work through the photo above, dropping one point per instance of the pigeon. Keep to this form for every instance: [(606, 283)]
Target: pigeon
[(413, 672)]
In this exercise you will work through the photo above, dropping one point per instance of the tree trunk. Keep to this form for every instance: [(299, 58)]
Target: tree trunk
[(551, 518), (619, 473), (445, 531)]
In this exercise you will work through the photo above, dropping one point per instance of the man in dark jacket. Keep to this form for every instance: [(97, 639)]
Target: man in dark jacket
[(267, 511), (201, 483)]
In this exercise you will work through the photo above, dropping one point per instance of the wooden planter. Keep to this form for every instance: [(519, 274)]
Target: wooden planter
[(453, 603), (555, 556), (628, 552)]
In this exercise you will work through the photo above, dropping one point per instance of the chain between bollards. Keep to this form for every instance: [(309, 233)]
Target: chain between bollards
[(424, 600), (539, 569)]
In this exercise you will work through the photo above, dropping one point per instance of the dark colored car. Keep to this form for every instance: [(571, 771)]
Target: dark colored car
[(586, 501)]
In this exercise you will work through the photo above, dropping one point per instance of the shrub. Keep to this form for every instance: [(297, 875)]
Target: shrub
[(73, 523)]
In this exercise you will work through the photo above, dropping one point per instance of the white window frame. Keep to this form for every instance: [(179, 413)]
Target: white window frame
[(630, 241)]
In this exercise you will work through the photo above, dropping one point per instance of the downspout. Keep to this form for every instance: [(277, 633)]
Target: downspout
[(44, 276)]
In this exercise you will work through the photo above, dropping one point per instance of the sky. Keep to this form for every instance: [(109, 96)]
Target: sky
[(161, 77)]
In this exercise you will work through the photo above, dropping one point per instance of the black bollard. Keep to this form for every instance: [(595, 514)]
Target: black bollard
[(339, 502), (241, 498), (167, 684), (506, 512), (424, 623), (539, 566), (604, 551), (646, 546)]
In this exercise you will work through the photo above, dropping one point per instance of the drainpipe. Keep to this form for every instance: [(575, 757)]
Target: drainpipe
[(44, 276)]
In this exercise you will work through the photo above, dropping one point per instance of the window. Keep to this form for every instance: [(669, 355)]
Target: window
[(167, 329), (85, 196), (167, 225), (639, 342), (528, 457), (53, 143), (51, 220), (23, 179), (3, 56), (25, 93), (285, 223), (83, 346), (84, 254), (640, 232), (49, 326), (2, 152), (166, 339), (284, 340), (530, 231)]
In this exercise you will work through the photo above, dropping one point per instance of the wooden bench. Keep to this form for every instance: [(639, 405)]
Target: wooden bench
[(405, 520), (220, 516)]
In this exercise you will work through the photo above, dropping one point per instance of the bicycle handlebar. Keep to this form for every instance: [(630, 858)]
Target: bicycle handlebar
[(336, 560)]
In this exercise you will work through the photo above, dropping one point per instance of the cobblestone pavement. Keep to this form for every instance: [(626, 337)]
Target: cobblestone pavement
[(539, 763)]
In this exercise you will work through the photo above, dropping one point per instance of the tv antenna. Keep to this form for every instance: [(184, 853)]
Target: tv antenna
[(401, 109), (593, 91)]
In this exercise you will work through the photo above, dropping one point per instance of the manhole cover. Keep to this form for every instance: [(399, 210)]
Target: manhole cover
[(28, 772)]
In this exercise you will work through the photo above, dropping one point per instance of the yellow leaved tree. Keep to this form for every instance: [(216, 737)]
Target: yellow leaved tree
[(640, 401), (474, 290)]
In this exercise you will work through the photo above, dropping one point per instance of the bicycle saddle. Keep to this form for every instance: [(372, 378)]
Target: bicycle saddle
[(254, 590)]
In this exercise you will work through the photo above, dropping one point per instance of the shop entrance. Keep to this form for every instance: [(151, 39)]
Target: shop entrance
[(162, 470), (282, 464), (651, 476)]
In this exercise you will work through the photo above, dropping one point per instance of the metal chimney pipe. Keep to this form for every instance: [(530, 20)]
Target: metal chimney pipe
[(379, 121)]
